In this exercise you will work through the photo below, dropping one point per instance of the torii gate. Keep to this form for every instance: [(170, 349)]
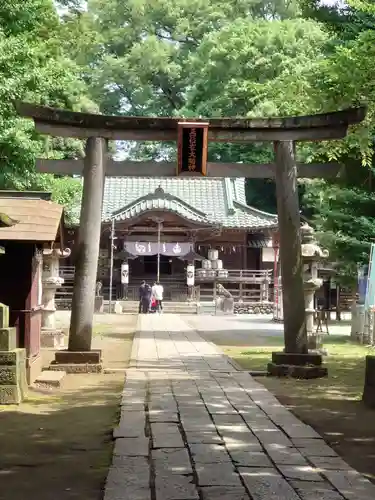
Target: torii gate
[(192, 140)]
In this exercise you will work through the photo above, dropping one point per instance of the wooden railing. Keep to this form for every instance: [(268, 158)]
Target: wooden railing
[(175, 288), (207, 294), (233, 275)]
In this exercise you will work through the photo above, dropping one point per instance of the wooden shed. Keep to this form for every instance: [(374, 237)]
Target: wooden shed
[(39, 223)]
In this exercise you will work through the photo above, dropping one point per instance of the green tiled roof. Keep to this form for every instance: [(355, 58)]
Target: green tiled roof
[(203, 200), (160, 200)]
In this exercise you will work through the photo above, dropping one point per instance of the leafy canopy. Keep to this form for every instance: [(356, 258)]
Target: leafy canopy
[(34, 68)]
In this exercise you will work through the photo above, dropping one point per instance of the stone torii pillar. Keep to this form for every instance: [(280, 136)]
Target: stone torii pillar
[(86, 254), (290, 248), (87, 246)]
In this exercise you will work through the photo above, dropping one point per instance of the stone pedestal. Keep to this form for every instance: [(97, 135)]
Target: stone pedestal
[(368, 396), (358, 321), (78, 361), (13, 384), (304, 366), (313, 337), (99, 304), (53, 339), (228, 305), (312, 253), (292, 363), (50, 336)]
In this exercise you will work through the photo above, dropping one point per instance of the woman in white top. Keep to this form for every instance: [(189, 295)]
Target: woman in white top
[(157, 293)]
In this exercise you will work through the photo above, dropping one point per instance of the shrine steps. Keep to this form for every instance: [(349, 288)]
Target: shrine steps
[(131, 307)]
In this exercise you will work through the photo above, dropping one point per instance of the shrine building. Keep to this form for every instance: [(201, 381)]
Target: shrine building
[(205, 221)]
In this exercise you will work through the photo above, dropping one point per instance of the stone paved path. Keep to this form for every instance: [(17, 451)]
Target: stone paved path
[(192, 427)]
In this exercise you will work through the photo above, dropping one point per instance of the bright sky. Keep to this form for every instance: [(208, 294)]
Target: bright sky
[(332, 2)]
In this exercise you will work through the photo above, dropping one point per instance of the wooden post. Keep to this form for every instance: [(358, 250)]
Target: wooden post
[(80, 333), (295, 335), (338, 302)]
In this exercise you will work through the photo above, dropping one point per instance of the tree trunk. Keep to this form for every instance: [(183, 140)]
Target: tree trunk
[(295, 334), (87, 249)]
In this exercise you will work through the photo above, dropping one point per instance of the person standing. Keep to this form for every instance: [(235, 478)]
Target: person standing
[(157, 293), (144, 298)]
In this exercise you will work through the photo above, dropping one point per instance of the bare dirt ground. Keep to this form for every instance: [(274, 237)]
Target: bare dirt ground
[(58, 446)]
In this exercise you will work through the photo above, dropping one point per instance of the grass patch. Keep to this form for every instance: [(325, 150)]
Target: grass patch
[(332, 405), (345, 362)]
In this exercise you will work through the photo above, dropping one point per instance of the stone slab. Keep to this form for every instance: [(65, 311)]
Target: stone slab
[(174, 487), (224, 493), (300, 472), (131, 425), (299, 430), (209, 437), (313, 448), (163, 416), (316, 491), (209, 454), (137, 406), (132, 447), (8, 339), (244, 442), (217, 475), (276, 438), (128, 479), (172, 461), (166, 436), (286, 456), (50, 379), (334, 463), (197, 424), (243, 458), (351, 485), (267, 484)]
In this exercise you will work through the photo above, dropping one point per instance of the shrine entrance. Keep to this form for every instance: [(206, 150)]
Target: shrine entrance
[(151, 265), (192, 138)]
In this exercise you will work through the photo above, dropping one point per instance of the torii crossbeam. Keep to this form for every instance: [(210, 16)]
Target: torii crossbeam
[(98, 129)]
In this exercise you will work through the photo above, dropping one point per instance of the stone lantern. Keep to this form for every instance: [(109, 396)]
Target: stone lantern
[(51, 281), (312, 253)]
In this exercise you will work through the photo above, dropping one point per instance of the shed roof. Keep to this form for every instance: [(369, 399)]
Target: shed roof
[(37, 219), (202, 200)]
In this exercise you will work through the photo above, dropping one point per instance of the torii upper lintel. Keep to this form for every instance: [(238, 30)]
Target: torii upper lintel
[(64, 123)]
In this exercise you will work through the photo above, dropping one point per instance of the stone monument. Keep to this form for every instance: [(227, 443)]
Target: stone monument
[(312, 253), (51, 281), (13, 384), (308, 364)]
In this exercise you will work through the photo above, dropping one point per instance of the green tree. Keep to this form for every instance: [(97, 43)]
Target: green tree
[(33, 68), (343, 210)]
